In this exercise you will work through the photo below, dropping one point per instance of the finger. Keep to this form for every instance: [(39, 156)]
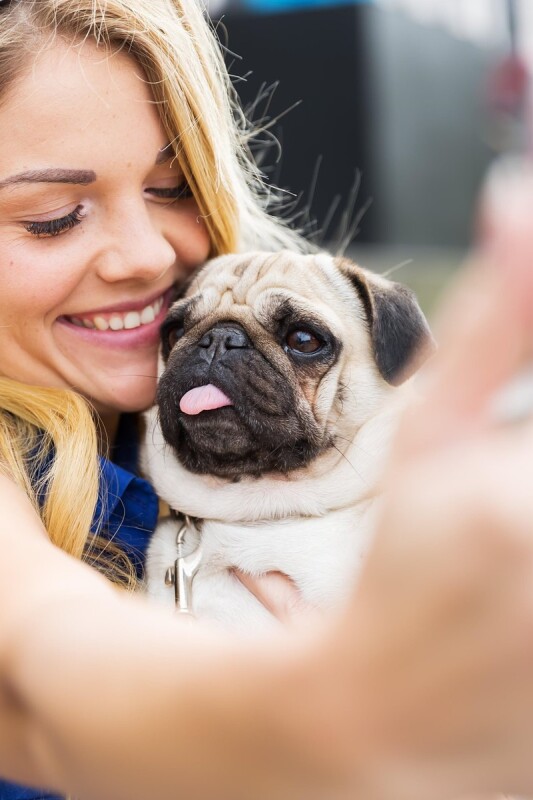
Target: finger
[(486, 324), (277, 593)]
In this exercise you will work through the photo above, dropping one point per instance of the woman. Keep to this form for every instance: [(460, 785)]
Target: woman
[(120, 171)]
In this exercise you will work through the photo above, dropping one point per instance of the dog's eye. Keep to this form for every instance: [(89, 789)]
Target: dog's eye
[(303, 341), (173, 334)]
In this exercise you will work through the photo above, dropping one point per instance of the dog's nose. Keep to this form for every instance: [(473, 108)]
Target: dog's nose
[(222, 338)]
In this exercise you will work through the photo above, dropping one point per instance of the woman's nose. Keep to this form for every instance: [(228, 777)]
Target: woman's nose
[(134, 248)]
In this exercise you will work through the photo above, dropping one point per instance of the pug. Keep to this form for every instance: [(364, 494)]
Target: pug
[(280, 381)]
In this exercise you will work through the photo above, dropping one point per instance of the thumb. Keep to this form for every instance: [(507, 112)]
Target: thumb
[(485, 325)]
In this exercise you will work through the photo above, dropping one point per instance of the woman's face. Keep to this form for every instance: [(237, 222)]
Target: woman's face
[(96, 225)]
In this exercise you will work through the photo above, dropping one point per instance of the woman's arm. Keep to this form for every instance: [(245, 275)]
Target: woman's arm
[(422, 689)]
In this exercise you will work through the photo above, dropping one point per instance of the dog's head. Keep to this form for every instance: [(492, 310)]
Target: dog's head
[(268, 360)]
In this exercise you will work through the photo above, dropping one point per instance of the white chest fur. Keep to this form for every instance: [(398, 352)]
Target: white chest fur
[(321, 554)]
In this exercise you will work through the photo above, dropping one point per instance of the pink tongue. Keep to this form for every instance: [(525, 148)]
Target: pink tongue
[(203, 398)]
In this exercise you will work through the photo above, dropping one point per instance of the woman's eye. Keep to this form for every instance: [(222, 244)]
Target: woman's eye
[(181, 192), (53, 227), (303, 341)]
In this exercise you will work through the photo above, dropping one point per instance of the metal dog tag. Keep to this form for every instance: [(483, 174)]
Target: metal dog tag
[(182, 574)]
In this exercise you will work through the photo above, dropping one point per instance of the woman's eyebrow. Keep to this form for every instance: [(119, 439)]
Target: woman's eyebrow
[(80, 176)]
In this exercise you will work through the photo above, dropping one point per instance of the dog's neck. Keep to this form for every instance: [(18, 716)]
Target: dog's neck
[(341, 477)]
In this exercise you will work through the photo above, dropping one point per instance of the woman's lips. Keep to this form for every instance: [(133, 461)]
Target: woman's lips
[(124, 328)]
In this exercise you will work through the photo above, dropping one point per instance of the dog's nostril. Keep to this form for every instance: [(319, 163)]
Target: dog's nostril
[(236, 338), (224, 338), (206, 340)]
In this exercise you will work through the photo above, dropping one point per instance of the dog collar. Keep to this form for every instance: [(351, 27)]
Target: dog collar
[(182, 573)]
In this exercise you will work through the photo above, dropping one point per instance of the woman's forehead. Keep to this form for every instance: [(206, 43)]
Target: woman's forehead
[(72, 102), (82, 66)]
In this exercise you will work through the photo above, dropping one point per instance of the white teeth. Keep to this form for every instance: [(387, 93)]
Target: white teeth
[(132, 320), (147, 315), (116, 323), (100, 323), (119, 322)]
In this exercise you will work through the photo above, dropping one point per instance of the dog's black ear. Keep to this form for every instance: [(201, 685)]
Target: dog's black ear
[(400, 334)]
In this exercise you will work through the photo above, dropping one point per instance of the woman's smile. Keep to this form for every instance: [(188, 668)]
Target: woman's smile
[(127, 324)]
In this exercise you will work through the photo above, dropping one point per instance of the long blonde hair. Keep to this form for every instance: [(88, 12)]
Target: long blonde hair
[(183, 64), (48, 446)]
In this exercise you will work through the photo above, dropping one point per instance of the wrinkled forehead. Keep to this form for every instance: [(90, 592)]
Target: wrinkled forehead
[(260, 281)]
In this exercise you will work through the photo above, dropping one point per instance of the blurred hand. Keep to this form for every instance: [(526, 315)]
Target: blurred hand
[(436, 652)]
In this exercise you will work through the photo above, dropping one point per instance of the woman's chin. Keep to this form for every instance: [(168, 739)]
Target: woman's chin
[(130, 397)]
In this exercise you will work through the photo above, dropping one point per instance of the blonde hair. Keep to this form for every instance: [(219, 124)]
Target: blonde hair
[(48, 446), (184, 67)]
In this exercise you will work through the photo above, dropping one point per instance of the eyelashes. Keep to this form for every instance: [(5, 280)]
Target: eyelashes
[(54, 227), (181, 192)]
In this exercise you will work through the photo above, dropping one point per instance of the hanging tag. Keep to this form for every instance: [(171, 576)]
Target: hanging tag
[(182, 574)]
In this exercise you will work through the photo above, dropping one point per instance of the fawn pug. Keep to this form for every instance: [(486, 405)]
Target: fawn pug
[(280, 376)]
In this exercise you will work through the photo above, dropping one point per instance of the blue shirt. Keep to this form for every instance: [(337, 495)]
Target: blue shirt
[(126, 512)]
